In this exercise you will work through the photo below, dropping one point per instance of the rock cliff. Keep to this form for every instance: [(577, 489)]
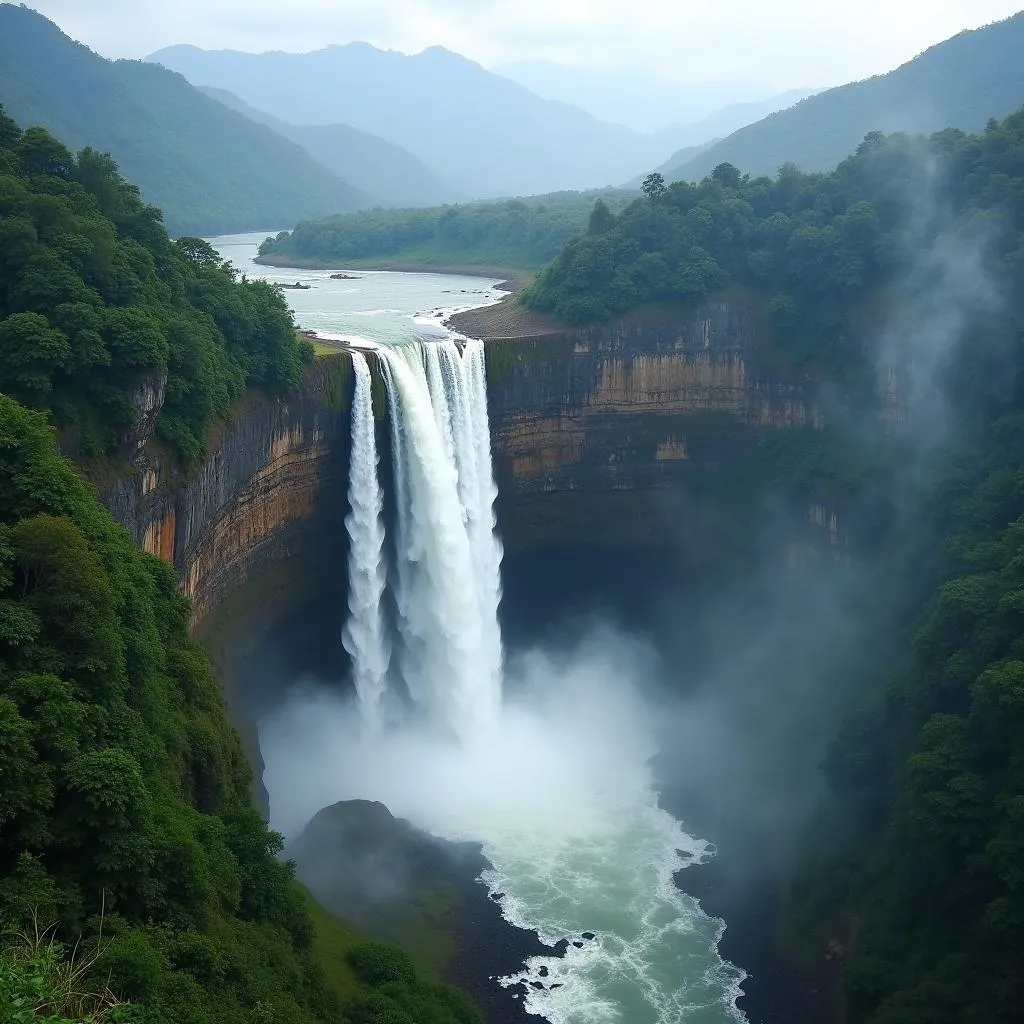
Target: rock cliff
[(596, 432), (254, 501)]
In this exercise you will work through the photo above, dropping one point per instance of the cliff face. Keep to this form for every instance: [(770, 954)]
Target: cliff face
[(597, 431), (601, 436), (253, 503)]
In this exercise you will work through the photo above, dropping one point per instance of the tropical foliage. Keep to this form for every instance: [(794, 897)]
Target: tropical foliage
[(104, 320)]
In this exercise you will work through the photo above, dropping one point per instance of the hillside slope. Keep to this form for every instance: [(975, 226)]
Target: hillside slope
[(367, 162), (210, 169), (486, 135), (959, 83)]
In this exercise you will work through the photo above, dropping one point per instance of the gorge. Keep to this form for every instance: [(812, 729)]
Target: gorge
[(748, 632), (595, 436)]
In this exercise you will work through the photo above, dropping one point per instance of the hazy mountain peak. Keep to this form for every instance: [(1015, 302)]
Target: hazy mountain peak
[(961, 83), (485, 134)]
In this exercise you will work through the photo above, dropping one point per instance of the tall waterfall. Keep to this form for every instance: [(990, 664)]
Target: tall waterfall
[(363, 636), (447, 573)]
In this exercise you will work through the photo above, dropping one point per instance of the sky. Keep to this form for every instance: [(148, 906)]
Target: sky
[(781, 43)]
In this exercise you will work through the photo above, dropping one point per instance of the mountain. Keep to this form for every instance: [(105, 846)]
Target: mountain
[(209, 168), (369, 163), (720, 123), (685, 113), (485, 134), (960, 83), (631, 96), (678, 159)]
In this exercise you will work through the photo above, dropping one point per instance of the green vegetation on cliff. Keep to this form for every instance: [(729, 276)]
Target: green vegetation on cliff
[(127, 832), (521, 234), (908, 258), (821, 249), (209, 168), (124, 795), (106, 323)]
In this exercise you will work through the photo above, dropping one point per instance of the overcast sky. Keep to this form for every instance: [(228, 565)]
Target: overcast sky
[(782, 43)]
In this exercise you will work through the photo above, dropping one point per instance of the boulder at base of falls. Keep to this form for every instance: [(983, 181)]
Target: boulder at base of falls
[(400, 884)]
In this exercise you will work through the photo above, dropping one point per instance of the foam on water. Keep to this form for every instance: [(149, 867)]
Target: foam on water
[(561, 797)]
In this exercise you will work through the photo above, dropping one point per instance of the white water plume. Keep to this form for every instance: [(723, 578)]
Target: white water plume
[(554, 781), (363, 635), (448, 557), (562, 799)]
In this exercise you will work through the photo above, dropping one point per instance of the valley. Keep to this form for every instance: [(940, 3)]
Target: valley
[(508, 539)]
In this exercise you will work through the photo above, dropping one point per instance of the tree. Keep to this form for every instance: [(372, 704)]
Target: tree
[(727, 175), (654, 187), (601, 218), (31, 352)]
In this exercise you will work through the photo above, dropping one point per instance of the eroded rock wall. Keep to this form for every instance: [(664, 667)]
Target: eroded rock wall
[(598, 431), (257, 498)]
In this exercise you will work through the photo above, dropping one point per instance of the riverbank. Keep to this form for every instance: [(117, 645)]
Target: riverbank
[(511, 278), (501, 320), (487, 947)]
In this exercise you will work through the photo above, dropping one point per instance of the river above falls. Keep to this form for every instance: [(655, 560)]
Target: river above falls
[(377, 306)]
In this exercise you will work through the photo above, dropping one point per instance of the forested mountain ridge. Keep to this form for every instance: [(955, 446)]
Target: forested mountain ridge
[(388, 172), (209, 168), (913, 873), (127, 830), (484, 134), (959, 83)]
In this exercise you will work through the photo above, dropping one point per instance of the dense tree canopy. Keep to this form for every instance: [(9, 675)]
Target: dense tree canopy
[(817, 248), (910, 253), (516, 233), (97, 304)]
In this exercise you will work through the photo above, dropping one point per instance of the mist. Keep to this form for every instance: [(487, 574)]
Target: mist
[(576, 732)]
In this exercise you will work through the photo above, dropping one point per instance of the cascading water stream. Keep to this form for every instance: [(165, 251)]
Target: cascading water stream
[(448, 558), (363, 635), (555, 783)]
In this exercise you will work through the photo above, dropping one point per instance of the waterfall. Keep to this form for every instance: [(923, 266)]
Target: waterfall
[(363, 635), (448, 558)]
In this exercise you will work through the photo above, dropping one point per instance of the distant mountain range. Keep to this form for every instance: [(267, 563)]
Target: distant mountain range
[(641, 100), (388, 173), (209, 168), (961, 83), (484, 134)]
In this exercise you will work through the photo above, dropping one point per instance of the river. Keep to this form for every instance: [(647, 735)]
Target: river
[(558, 788)]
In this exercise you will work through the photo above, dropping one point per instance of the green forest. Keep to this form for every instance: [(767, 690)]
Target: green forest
[(918, 859), (138, 882), (518, 234), (96, 302)]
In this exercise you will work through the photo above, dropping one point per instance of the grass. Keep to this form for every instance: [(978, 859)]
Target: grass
[(423, 929), (332, 940), (323, 349)]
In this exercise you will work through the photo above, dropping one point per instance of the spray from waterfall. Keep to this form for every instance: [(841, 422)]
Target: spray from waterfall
[(363, 635), (448, 558)]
